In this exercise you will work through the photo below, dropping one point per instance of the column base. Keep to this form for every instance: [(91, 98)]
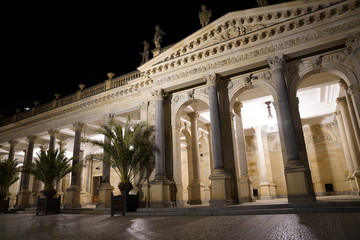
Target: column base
[(357, 183), (23, 200), (105, 191), (197, 193), (297, 185), (73, 197), (220, 188), (160, 193), (245, 189)]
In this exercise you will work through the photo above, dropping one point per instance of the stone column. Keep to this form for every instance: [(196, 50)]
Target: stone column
[(196, 188), (352, 114), (346, 150), (245, 187), (12, 149), (220, 178), (296, 173), (24, 194), (353, 47), (351, 139), (52, 133), (73, 192), (160, 186), (105, 188)]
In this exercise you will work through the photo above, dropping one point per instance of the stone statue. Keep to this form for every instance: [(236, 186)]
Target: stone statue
[(262, 3), (145, 53), (204, 15), (158, 37)]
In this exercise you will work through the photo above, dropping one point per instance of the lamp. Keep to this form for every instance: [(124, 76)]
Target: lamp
[(269, 109)]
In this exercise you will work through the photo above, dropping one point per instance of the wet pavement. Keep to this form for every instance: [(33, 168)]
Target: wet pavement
[(327, 226)]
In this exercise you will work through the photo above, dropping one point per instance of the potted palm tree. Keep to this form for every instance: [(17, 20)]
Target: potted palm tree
[(130, 149), (50, 167), (9, 174)]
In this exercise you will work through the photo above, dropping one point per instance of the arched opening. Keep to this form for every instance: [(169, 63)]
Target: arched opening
[(321, 107)]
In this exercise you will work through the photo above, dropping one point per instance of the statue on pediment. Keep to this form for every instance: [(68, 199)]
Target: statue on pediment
[(145, 53), (158, 37), (204, 15), (262, 3)]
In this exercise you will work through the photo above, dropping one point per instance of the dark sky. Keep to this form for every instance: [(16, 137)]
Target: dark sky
[(52, 46)]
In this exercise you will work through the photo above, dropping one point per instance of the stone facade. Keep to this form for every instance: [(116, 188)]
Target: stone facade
[(219, 143)]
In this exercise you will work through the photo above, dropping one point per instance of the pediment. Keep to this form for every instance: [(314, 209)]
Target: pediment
[(250, 25)]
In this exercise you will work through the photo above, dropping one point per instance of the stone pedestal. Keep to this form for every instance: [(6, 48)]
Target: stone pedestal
[(220, 188), (105, 191), (297, 185), (160, 193), (73, 197), (197, 193), (23, 199), (245, 189)]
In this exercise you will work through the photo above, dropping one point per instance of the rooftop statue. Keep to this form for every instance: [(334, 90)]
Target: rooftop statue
[(262, 3), (145, 53), (204, 15), (158, 37)]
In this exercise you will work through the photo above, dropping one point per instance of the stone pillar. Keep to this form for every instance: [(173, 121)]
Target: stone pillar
[(352, 114), (160, 186), (52, 133), (220, 178), (353, 47), (73, 192), (59, 185), (297, 173), (12, 149), (245, 186), (346, 150), (351, 139), (105, 188), (24, 194), (196, 188)]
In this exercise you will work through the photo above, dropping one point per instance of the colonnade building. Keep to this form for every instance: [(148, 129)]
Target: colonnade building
[(261, 103)]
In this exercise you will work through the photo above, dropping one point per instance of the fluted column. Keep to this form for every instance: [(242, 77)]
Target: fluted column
[(12, 149), (196, 188), (73, 192), (24, 194), (52, 133), (346, 150), (105, 188), (299, 185), (245, 191), (160, 189), (220, 178)]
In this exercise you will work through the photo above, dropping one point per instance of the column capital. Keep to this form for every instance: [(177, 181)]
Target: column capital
[(211, 79), (193, 115), (353, 42), (159, 94), (143, 106), (108, 117), (53, 132), (13, 142), (78, 126), (276, 62), (341, 100), (237, 107), (31, 138)]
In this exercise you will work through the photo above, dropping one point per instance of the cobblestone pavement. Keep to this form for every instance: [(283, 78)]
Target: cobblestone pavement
[(327, 226)]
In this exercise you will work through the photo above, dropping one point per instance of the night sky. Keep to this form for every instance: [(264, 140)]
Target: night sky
[(52, 47)]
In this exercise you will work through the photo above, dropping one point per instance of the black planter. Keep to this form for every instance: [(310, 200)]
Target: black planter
[(119, 202), (4, 205), (48, 205)]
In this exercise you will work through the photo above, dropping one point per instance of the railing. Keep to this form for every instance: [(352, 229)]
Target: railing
[(81, 94)]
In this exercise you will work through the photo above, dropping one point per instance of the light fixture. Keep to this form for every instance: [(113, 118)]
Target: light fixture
[(269, 109)]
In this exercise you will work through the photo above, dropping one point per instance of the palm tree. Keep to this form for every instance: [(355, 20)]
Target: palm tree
[(130, 150), (9, 174), (50, 168)]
